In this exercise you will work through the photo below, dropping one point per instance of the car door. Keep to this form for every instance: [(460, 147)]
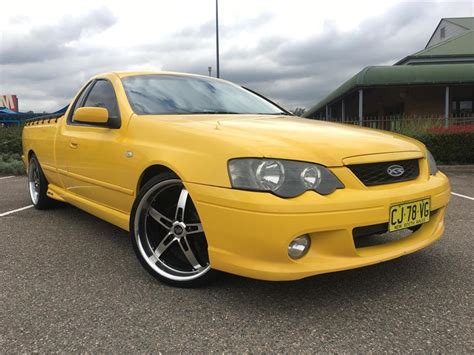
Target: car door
[(95, 154)]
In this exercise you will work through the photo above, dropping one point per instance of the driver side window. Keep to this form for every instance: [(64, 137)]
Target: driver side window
[(79, 101), (102, 94), (98, 93)]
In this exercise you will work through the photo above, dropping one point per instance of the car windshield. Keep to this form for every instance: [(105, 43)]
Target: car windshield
[(179, 94)]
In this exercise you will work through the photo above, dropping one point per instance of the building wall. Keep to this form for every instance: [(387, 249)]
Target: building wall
[(407, 100), (403, 100), (450, 30), (425, 101)]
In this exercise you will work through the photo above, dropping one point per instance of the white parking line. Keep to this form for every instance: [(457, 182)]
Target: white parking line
[(463, 196), (15, 211), (7, 177)]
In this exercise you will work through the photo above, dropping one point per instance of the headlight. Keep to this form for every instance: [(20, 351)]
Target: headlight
[(270, 175), (431, 163), (284, 178)]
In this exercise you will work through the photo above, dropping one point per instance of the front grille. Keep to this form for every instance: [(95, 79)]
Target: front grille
[(372, 240), (377, 173), (378, 234)]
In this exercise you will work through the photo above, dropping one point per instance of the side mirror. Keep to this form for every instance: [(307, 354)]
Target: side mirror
[(91, 115)]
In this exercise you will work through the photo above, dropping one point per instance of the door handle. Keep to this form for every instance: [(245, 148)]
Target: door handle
[(73, 144)]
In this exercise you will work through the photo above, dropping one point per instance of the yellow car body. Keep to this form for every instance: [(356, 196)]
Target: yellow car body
[(100, 171)]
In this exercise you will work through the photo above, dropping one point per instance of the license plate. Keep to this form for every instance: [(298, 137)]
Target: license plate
[(409, 214)]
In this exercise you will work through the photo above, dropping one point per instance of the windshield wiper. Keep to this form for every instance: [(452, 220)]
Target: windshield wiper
[(275, 114), (216, 112), (211, 112)]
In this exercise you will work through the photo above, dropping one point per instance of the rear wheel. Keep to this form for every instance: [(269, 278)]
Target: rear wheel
[(38, 185), (167, 234)]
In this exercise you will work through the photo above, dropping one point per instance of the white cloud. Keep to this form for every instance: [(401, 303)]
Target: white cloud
[(293, 51)]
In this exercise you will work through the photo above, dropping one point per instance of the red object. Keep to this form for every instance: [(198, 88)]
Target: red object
[(9, 101), (465, 128)]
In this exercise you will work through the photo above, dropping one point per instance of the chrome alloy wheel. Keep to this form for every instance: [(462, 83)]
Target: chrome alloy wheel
[(168, 232), (34, 181)]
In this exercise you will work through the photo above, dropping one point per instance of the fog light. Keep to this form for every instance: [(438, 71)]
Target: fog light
[(299, 246)]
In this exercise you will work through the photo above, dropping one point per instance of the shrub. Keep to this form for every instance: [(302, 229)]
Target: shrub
[(10, 140), (449, 147), (11, 164), (10, 151)]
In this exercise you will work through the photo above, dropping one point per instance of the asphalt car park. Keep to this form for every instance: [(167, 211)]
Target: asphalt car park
[(71, 282)]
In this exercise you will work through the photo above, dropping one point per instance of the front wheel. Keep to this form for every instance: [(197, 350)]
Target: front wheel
[(167, 234)]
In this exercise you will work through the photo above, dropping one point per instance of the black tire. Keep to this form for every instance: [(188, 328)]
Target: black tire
[(38, 186), (167, 235)]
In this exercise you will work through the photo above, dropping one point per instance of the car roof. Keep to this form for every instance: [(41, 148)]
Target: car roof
[(124, 74)]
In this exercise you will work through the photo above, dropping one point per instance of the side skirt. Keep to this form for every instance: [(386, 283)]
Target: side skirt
[(110, 215)]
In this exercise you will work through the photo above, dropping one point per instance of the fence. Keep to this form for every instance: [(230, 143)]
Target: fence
[(411, 123)]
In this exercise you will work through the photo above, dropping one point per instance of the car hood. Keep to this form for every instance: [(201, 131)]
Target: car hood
[(289, 137)]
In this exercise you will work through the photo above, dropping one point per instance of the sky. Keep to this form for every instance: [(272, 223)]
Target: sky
[(294, 52)]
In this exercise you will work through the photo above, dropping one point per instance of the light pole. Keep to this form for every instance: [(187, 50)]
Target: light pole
[(217, 39)]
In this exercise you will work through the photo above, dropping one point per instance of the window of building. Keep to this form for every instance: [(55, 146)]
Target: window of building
[(465, 106), (462, 106), (454, 106), (442, 33)]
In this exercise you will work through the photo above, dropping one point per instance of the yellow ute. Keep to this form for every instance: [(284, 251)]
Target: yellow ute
[(210, 176)]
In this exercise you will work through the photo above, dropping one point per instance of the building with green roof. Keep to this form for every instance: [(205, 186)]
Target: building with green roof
[(438, 80)]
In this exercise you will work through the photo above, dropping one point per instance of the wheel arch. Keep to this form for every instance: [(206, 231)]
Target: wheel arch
[(151, 171), (31, 152)]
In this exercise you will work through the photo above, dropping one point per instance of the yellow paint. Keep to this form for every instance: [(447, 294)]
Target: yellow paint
[(247, 232), (91, 115)]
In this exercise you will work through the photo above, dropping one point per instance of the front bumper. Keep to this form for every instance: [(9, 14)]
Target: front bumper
[(248, 232)]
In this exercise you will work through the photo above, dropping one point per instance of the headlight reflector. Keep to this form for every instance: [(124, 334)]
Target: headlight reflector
[(311, 177), (284, 178), (270, 175), (431, 163)]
